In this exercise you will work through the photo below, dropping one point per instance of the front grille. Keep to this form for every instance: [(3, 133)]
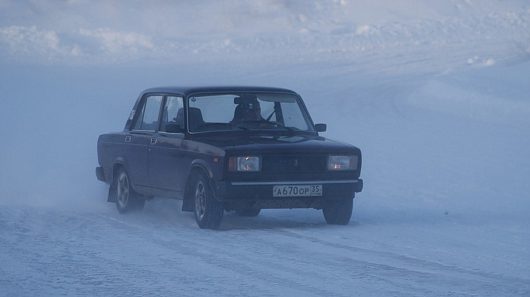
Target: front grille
[(293, 163)]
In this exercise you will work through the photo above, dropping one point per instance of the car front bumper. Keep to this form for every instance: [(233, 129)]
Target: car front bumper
[(259, 194)]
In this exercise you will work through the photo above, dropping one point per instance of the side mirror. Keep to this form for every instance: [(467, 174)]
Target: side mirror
[(173, 128), (321, 127)]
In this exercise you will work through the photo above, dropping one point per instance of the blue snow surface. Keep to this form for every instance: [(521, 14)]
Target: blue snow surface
[(435, 93)]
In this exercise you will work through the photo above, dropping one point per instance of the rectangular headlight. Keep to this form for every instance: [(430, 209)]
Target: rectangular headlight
[(244, 164), (338, 163)]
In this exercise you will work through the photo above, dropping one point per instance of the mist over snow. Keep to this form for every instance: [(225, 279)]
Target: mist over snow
[(162, 32), (435, 93)]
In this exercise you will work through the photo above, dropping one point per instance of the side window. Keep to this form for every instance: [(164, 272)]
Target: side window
[(148, 117), (173, 115)]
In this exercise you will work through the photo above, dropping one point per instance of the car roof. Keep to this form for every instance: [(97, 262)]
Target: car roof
[(215, 89)]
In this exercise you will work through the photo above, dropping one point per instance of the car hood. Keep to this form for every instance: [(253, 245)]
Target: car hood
[(282, 143)]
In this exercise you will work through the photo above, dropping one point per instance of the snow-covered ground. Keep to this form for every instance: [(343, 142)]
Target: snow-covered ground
[(435, 93)]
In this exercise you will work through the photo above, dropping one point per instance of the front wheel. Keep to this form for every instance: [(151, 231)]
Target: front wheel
[(338, 212), (126, 198), (208, 211)]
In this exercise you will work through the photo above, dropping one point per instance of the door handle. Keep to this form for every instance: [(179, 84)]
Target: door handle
[(154, 140), (128, 138)]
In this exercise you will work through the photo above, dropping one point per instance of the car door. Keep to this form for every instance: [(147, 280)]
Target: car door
[(140, 137), (165, 154)]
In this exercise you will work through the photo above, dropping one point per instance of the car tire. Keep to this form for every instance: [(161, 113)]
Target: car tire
[(208, 211), (126, 198), (248, 212), (338, 212)]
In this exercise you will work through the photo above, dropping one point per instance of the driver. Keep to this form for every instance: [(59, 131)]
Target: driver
[(247, 110)]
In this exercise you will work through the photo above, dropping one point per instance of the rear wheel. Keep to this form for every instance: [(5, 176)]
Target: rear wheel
[(208, 211), (338, 212), (248, 212), (126, 198)]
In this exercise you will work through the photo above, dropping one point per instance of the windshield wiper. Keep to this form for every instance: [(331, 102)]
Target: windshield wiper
[(278, 124), (274, 124), (242, 127)]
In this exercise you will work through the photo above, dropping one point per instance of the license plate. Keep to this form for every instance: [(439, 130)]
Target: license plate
[(297, 190)]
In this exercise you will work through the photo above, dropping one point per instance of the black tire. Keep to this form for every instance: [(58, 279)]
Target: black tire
[(248, 212), (338, 212), (126, 198), (208, 211)]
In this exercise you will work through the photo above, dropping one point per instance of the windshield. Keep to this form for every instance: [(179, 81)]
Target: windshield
[(248, 111)]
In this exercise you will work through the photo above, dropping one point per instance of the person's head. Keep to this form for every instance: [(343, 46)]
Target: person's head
[(248, 109)]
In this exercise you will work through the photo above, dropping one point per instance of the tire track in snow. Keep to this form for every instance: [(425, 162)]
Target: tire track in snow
[(250, 261), (233, 259), (403, 264), (415, 270)]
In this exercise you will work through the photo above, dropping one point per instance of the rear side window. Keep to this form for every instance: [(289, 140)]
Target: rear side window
[(148, 117)]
